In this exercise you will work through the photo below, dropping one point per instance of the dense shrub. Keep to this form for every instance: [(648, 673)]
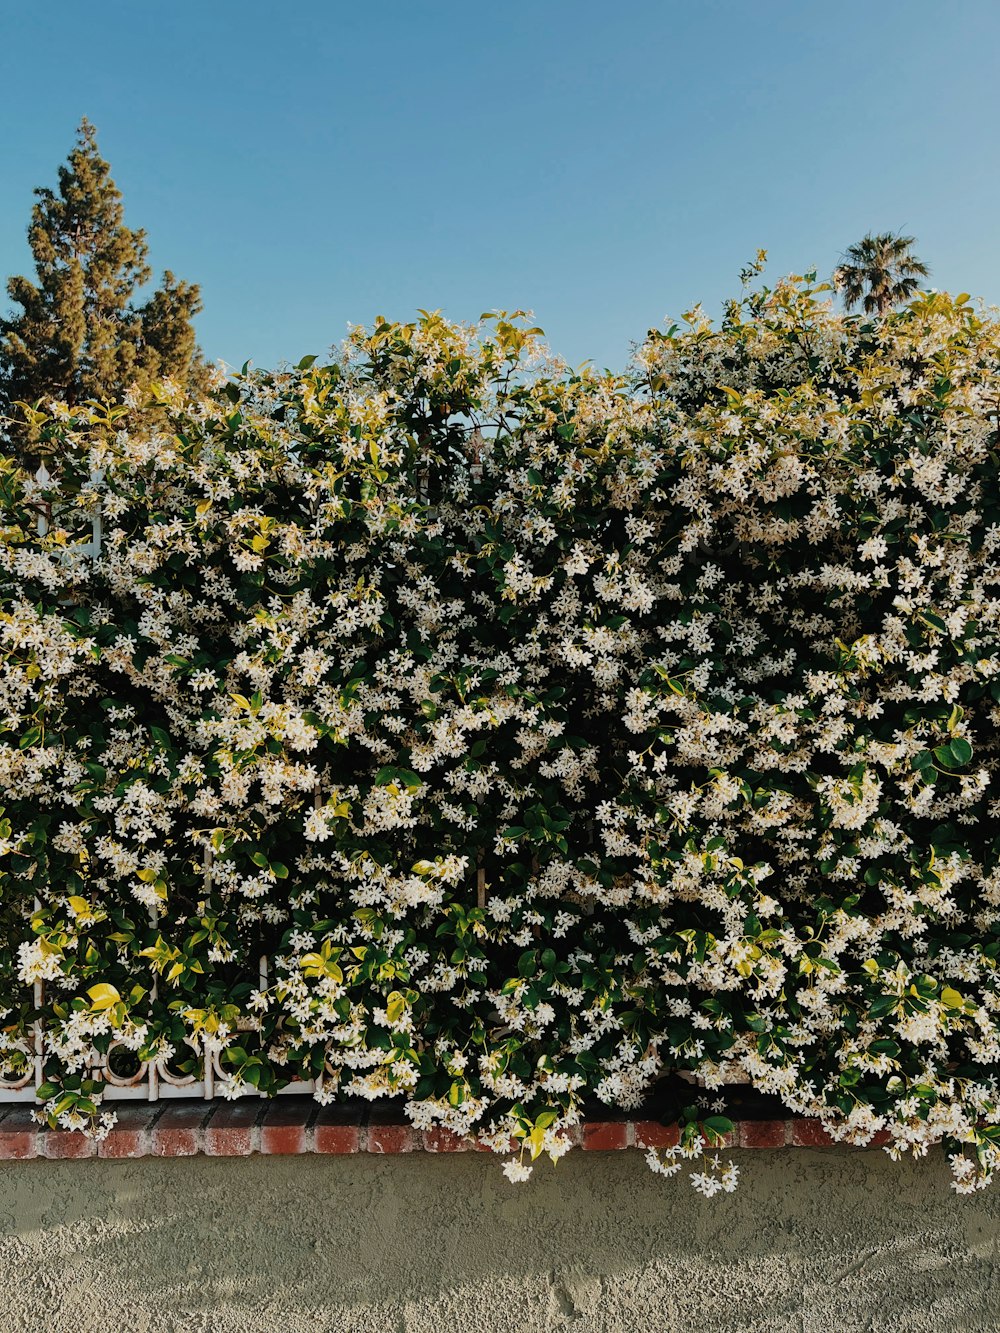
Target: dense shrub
[(546, 731)]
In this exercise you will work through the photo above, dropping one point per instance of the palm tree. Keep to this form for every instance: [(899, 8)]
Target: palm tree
[(879, 272)]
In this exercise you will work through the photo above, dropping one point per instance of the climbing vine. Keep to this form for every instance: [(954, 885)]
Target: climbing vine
[(546, 732)]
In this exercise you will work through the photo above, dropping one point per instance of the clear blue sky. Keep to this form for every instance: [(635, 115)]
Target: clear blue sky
[(603, 164)]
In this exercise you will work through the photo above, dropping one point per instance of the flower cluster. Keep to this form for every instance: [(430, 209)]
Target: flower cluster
[(548, 733)]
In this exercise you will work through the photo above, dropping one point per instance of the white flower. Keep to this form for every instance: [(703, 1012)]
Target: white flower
[(516, 1170)]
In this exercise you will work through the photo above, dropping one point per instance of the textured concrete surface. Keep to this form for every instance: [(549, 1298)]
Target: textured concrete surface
[(812, 1241)]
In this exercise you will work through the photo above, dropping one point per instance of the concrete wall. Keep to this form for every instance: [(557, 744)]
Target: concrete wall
[(812, 1240)]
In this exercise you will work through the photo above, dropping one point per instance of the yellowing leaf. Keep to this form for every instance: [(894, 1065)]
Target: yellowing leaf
[(318, 966), (534, 1140), (951, 998), (395, 1007), (103, 996), (80, 906)]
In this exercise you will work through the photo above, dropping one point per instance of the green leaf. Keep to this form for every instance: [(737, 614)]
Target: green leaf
[(961, 750), (717, 1125)]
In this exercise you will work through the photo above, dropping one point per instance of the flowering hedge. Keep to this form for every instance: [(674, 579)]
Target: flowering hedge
[(548, 732)]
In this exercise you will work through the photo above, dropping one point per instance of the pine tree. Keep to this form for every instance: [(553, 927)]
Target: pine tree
[(79, 333)]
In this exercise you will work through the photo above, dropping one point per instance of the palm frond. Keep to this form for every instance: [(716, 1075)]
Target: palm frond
[(879, 272)]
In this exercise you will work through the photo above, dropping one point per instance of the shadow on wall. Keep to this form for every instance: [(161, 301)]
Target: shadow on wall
[(810, 1240)]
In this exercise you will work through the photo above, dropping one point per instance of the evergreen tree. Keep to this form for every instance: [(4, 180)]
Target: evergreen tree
[(79, 333)]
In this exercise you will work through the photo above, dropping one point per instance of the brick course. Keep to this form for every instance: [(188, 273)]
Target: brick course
[(286, 1128), (232, 1130), (130, 1135), (605, 1135), (443, 1140), (177, 1129), (18, 1135), (296, 1126), (388, 1134), (763, 1133), (337, 1130)]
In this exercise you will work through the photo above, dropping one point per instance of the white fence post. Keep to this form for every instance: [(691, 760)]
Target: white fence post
[(152, 1069), (208, 1062), (96, 519), (93, 547), (39, 998), (43, 479)]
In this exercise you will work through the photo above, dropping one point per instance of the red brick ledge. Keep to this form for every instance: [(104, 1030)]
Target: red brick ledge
[(237, 1129)]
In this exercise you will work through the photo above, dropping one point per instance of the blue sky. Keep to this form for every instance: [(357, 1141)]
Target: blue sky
[(605, 165)]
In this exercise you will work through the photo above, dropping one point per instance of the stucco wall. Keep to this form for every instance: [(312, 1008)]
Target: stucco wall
[(811, 1241)]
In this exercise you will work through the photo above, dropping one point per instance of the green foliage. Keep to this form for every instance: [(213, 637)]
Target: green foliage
[(549, 733)]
